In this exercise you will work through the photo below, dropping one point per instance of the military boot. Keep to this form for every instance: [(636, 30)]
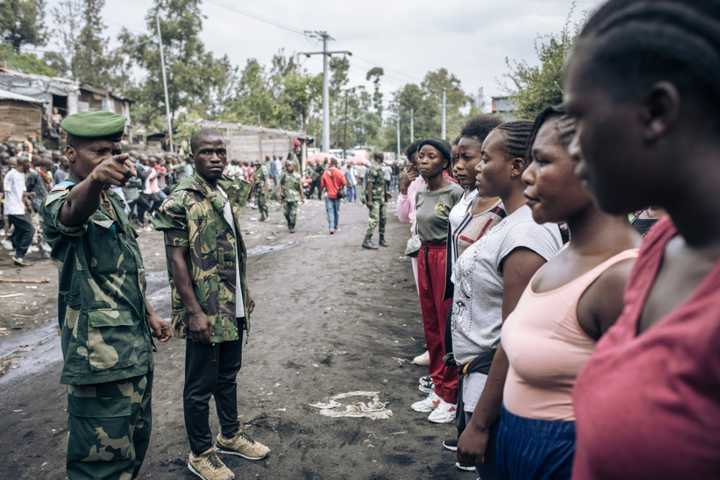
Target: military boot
[(368, 243), (382, 241)]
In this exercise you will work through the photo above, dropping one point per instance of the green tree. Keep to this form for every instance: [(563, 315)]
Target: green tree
[(193, 73), (374, 75), (25, 62), (22, 22), (535, 87), (90, 61), (67, 22)]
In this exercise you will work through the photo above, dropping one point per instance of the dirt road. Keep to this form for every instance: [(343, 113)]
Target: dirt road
[(330, 318)]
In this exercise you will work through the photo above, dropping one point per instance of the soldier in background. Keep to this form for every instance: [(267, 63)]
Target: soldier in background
[(105, 321), (291, 193), (211, 304), (375, 198), (260, 188)]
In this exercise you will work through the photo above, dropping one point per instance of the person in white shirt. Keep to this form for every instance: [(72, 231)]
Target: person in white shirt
[(16, 210)]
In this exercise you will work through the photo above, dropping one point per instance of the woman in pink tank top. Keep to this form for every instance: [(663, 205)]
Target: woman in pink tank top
[(565, 309)]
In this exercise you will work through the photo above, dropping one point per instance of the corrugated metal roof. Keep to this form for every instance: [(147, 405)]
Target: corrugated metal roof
[(6, 95)]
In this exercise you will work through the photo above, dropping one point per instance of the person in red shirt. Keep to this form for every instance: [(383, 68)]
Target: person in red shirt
[(642, 88), (332, 184)]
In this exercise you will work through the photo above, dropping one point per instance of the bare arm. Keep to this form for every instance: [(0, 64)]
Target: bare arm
[(518, 268), (603, 302)]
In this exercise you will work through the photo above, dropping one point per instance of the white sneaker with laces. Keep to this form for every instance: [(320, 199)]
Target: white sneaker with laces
[(428, 404), (443, 413), (422, 360)]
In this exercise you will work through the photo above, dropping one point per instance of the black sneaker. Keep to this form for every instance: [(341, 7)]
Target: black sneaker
[(465, 468), (450, 445)]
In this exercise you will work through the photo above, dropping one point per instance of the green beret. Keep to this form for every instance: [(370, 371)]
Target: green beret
[(94, 125)]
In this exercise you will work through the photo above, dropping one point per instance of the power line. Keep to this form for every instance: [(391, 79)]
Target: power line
[(257, 18), (275, 24)]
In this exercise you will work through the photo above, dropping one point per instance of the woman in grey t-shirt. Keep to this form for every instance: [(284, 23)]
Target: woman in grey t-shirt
[(489, 278), (431, 215)]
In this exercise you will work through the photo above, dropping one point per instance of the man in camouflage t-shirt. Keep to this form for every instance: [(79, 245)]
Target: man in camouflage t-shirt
[(211, 305)]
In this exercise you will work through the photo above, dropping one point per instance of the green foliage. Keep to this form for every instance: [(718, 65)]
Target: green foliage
[(535, 87), (22, 22), (91, 62), (25, 62), (194, 75), (424, 103)]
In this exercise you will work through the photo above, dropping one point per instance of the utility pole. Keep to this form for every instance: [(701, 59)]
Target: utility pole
[(444, 114), (412, 125), (165, 85), (398, 136), (323, 35)]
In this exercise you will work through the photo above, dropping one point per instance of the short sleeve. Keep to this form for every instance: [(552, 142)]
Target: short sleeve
[(544, 240), (172, 219), (52, 226)]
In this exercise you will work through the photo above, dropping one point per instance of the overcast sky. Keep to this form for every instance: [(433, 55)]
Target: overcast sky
[(471, 38)]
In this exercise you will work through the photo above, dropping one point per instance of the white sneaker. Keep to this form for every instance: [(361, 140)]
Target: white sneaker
[(428, 404), (7, 245), (422, 360), (443, 413)]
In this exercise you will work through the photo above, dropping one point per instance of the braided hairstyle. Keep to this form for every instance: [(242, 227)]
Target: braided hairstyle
[(634, 43), (566, 126), (517, 136)]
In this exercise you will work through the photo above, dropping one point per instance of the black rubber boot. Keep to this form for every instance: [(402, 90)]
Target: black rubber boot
[(382, 241), (368, 243)]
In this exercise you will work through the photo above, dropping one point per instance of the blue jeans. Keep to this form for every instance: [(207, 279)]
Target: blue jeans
[(351, 193), (332, 208), (529, 449)]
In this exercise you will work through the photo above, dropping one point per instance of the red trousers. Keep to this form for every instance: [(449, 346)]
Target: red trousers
[(435, 309)]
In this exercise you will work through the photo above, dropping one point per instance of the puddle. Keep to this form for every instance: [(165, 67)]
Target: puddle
[(356, 404), (30, 352)]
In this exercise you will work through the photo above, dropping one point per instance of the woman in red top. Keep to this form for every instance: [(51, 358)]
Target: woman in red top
[(642, 87)]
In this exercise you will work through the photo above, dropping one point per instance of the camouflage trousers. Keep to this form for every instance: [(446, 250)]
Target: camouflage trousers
[(376, 217), (290, 210), (109, 428), (262, 205)]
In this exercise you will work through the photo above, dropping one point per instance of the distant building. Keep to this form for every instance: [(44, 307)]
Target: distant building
[(248, 144), (505, 107), (20, 116), (67, 96)]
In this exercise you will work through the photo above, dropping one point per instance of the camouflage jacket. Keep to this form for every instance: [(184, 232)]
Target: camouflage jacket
[(192, 217), (236, 188), (376, 177), (260, 180), (290, 185), (105, 336)]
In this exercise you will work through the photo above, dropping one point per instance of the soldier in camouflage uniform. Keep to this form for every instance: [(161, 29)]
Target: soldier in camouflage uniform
[(291, 193), (211, 305), (105, 322), (260, 188), (375, 198)]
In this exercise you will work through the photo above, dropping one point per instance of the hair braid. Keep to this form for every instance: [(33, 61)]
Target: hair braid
[(636, 42), (517, 135)]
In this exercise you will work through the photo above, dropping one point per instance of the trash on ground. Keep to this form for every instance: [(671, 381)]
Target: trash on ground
[(361, 405)]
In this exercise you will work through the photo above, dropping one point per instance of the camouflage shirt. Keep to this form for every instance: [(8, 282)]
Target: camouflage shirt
[(192, 217), (290, 185), (105, 336), (260, 180), (376, 177)]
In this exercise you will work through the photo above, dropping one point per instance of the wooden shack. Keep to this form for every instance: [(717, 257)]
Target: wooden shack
[(20, 116)]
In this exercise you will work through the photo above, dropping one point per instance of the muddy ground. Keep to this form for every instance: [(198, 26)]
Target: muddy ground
[(330, 318)]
